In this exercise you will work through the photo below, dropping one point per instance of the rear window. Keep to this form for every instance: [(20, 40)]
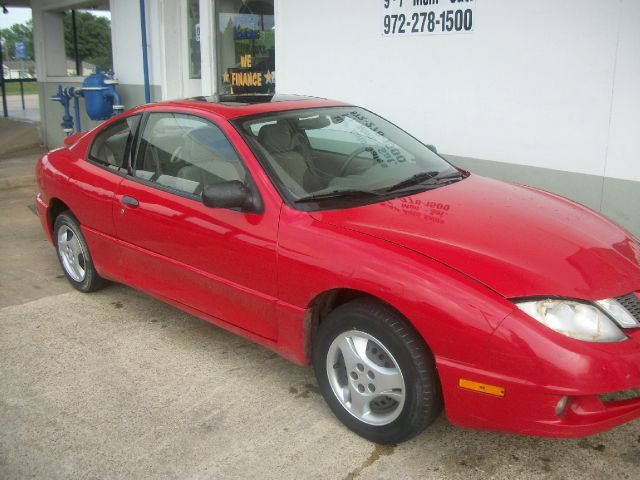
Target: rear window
[(111, 147)]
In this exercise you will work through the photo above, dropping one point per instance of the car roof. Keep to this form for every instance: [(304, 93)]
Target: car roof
[(232, 106)]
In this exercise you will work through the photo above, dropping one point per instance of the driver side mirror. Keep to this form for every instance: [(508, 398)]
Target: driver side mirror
[(232, 194), (432, 148)]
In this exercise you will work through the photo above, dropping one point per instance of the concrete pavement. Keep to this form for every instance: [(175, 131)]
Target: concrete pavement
[(17, 136), (118, 385), (18, 170)]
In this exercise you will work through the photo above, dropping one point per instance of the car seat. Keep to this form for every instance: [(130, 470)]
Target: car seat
[(210, 158)]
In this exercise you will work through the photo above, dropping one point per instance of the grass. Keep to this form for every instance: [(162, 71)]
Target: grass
[(13, 88)]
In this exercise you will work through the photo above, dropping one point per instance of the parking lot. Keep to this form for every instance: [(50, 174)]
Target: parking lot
[(118, 385)]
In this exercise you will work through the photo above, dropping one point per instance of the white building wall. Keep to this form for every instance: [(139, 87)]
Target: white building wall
[(126, 40), (171, 22), (166, 46), (539, 82), (623, 156)]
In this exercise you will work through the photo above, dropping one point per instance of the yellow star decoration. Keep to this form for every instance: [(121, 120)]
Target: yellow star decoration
[(267, 76), (225, 77)]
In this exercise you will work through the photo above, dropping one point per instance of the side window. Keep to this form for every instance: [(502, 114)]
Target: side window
[(185, 153), (112, 145)]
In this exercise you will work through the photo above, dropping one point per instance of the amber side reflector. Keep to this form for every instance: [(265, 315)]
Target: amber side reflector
[(481, 387)]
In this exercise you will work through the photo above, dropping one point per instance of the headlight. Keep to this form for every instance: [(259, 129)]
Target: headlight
[(581, 321)]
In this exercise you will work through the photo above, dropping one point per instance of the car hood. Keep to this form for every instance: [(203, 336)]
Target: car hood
[(516, 240)]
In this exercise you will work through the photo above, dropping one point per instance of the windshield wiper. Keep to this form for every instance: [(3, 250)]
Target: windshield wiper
[(416, 179), (431, 179), (424, 178), (336, 194), (457, 175)]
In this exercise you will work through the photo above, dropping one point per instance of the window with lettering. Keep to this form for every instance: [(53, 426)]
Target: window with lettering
[(245, 46)]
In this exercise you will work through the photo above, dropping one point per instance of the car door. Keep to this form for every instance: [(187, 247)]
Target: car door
[(219, 261), (96, 177)]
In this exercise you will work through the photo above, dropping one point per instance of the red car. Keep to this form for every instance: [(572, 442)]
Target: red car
[(326, 233)]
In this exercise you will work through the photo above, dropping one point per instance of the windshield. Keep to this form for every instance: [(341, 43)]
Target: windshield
[(342, 153)]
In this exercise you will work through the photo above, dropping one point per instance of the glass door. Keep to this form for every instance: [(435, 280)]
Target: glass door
[(192, 65), (245, 47)]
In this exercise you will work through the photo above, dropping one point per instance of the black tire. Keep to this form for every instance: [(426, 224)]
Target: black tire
[(90, 281), (409, 354)]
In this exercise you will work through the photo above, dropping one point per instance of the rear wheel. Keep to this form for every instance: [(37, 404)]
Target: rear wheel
[(375, 372), (74, 255)]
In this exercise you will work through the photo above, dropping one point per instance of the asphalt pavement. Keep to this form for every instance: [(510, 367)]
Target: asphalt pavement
[(118, 385)]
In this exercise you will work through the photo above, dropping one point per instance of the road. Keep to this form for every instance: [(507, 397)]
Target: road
[(118, 385)]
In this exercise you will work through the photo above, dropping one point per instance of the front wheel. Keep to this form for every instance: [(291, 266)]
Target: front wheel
[(375, 372)]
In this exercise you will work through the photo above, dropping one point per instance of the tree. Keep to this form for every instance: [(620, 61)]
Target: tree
[(94, 39), (20, 32)]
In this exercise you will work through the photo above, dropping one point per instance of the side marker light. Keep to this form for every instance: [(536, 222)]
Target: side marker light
[(481, 387)]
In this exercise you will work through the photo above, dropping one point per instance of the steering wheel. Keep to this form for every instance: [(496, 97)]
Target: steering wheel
[(175, 156), (353, 155)]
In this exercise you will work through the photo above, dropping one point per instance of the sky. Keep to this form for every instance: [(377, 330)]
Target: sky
[(15, 15), (21, 15)]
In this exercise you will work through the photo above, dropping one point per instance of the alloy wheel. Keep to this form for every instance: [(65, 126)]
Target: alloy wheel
[(71, 253), (365, 378)]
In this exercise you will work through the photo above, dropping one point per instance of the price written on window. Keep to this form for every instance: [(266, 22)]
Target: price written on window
[(424, 17)]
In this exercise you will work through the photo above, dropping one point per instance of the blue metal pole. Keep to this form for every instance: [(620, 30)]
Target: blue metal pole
[(74, 31), (145, 61), (76, 108)]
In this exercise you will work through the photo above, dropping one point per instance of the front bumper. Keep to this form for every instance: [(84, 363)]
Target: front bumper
[(529, 409), (536, 369)]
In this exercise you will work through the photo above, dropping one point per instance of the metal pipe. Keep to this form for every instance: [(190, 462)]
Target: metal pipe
[(145, 61), (118, 107), (74, 31), (76, 108), (62, 96), (3, 85)]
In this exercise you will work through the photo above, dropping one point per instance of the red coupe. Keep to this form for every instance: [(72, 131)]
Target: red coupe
[(326, 233)]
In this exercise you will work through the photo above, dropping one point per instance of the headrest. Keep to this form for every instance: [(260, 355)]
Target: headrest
[(275, 138), (213, 140), (313, 123)]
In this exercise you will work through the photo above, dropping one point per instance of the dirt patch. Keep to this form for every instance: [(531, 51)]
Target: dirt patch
[(378, 452)]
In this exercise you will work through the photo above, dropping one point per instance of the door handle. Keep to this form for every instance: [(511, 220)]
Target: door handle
[(129, 201)]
